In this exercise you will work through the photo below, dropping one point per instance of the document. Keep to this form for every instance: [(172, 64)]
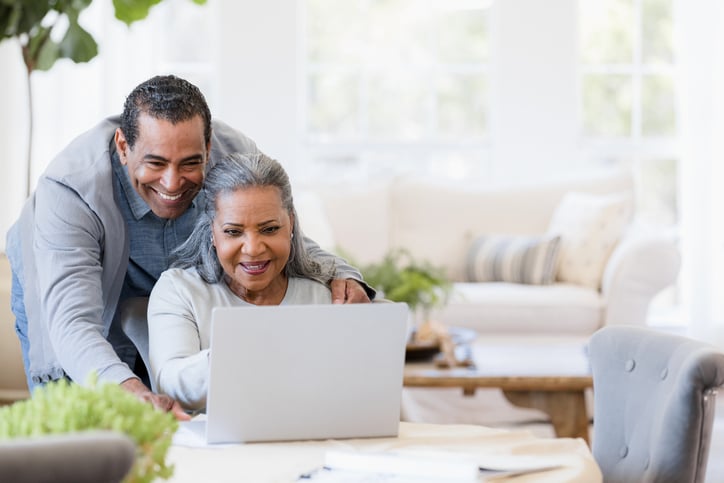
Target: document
[(432, 467)]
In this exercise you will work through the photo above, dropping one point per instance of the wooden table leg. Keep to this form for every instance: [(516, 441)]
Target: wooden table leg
[(567, 409)]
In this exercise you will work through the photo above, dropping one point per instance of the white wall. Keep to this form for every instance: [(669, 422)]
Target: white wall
[(13, 134), (700, 32), (258, 73), (534, 80)]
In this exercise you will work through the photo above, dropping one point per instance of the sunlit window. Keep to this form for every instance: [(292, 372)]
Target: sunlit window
[(628, 94), (402, 79), (628, 99)]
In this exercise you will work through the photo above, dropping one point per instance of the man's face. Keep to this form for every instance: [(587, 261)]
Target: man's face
[(167, 165)]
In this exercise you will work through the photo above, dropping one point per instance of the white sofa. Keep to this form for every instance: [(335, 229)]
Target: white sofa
[(438, 221)]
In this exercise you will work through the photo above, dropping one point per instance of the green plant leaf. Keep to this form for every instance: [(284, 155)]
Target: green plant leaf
[(47, 55), (77, 44), (402, 279), (26, 16), (129, 11), (63, 407), (9, 19)]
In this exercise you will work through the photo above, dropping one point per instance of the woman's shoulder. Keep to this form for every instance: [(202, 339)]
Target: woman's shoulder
[(181, 276), (176, 272), (305, 290)]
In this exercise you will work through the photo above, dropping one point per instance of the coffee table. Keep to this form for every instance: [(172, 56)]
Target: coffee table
[(550, 374)]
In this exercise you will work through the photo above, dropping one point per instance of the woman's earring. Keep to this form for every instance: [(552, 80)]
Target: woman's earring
[(292, 237)]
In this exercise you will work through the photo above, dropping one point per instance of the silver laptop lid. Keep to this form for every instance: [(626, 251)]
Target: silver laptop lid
[(305, 372)]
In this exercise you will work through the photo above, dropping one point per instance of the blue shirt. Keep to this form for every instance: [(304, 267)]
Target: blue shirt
[(70, 249), (152, 239)]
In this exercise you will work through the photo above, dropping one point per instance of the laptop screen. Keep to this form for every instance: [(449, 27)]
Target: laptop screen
[(305, 372)]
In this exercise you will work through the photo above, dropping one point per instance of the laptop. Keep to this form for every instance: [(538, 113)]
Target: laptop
[(299, 372)]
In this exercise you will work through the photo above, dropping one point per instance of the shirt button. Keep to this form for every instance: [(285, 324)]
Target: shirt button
[(630, 364)]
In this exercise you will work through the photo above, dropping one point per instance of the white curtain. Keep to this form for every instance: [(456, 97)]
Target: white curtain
[(699, 43)]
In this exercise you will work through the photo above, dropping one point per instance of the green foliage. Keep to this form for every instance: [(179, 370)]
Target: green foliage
[(37, 23), (63, 407), (402, 279), (129, 11), (33, 21)]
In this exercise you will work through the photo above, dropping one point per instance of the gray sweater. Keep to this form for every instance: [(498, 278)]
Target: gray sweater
[(70, 249)]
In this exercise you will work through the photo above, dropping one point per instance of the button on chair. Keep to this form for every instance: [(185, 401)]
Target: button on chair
[(654, 402)]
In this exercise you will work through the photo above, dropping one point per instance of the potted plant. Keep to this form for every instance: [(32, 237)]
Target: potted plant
[(401, 278), (63, 407)]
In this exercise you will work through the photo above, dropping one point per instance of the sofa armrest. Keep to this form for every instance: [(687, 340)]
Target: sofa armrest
[(639, 268)]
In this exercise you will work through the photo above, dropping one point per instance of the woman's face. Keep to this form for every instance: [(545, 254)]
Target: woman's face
[(252, 235)]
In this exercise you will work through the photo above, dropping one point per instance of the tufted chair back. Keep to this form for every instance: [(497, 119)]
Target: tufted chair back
[(654, 401)]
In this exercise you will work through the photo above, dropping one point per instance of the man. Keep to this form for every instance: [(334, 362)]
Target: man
[(101, 226)]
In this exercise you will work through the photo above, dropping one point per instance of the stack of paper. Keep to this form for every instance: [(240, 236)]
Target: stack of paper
[(432, 467)]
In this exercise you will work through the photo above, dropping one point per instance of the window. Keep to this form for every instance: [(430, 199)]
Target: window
[(402, 80), (627, 94), (628, 100)]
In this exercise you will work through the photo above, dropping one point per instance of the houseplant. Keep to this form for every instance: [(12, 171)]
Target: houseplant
[(401, 278), (64, 407)]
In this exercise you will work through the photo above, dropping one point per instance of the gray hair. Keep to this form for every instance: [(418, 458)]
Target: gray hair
[(236, 172)]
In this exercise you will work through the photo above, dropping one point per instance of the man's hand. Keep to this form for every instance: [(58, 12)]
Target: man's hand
[(159, 401), (348, 291)]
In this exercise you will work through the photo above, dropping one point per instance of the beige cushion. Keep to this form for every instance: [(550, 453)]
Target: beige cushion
[(589, 226), (517, 259), (501, 307)]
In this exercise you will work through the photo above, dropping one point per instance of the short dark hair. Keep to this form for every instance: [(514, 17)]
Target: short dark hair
[(164, 97)]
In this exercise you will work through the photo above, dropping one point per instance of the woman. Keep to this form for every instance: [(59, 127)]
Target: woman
[(246, 249)]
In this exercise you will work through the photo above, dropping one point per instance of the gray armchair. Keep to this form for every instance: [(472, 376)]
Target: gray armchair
[(86, 457), (654, 402)]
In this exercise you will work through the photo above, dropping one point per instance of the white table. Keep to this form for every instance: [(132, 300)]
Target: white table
[(284, 462)]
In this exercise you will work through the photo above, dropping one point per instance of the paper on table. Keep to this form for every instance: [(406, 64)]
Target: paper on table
[(193, 434), (429, 466)]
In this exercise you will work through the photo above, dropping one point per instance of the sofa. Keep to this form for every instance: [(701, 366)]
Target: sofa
[(13, 386), (445, 222), (597, 264)]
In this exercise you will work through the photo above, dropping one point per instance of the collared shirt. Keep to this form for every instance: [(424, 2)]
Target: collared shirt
[(152, 239), (73, 241)]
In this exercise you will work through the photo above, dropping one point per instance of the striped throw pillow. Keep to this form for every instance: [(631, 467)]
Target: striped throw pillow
[(497, 258)]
